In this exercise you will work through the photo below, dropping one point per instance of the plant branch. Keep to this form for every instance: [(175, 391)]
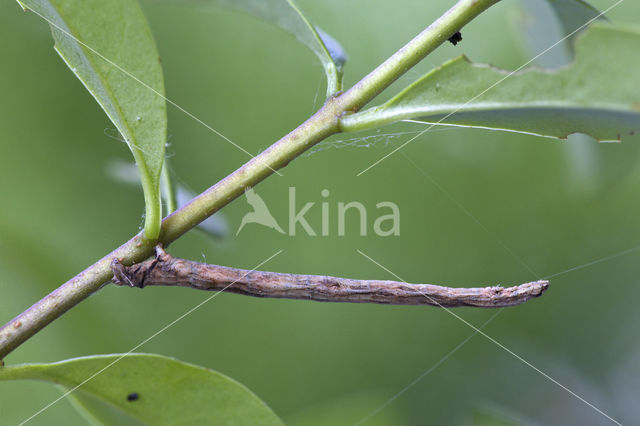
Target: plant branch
[(166, 270), (318, 127), (413, 52)]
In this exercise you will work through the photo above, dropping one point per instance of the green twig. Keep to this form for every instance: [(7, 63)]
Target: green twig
[(322, 124)]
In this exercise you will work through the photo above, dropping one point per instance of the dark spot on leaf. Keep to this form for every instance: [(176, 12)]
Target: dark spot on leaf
[(133, 396), (456, 38)]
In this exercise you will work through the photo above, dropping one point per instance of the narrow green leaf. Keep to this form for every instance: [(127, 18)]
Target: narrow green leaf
[(286, 15), (595, 95), (108, 45), (149, 389)]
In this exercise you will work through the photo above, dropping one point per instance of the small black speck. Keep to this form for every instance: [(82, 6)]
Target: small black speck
[(456, 38), (133, 396)]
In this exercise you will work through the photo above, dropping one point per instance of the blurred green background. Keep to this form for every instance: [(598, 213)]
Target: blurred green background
[(477, 207)]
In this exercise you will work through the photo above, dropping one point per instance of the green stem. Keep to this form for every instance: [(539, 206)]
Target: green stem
[(413, 52), (167, 188), (152, 213), (322, 124), (334, 80)]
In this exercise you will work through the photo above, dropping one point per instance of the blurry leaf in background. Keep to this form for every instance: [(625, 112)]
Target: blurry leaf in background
[(573, 14), (86, 33), (215, 226), (286, 15), (581, 98), (490, 414), (354, 409), (150, 389), (555, 23)]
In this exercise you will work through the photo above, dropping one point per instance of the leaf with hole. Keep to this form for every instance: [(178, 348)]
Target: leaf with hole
[(595, 94), (149, 389), (286, 15), (108, 45)]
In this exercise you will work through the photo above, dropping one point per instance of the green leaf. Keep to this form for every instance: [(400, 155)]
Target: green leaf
[(108, 45), (98, 413), (551, 27), (286, 15), (595, 95), (149, 389)]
